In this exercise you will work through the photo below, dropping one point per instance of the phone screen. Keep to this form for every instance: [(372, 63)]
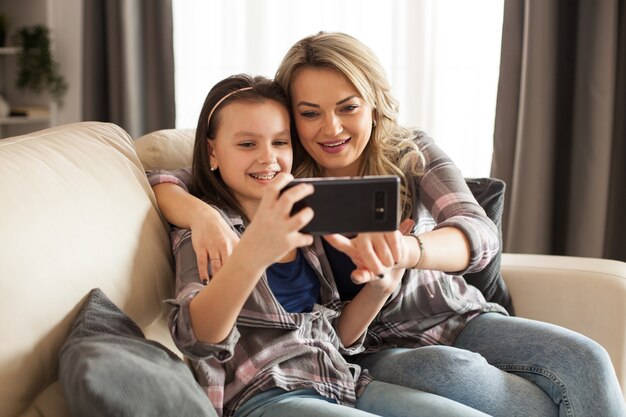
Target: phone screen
[(351, 204)]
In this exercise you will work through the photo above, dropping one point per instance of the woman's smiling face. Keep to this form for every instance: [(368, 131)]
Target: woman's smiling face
[(333, 122)]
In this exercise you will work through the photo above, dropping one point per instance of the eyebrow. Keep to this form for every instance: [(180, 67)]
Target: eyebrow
[(306, 103), (255, 134)]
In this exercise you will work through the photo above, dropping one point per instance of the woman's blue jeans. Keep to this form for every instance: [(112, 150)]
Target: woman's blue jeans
[(378, 399), (510, 366)]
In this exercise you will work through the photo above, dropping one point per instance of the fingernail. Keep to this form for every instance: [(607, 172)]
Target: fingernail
[(205, 281)]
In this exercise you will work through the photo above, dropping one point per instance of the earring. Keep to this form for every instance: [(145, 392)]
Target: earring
[(213, 168)]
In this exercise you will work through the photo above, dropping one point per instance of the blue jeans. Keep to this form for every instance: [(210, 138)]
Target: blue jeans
[(510, 366), (378, 399)]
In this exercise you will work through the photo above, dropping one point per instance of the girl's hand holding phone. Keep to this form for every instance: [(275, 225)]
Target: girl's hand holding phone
[(273, 231)]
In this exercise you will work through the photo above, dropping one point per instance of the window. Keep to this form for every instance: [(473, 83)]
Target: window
[(442, 57)]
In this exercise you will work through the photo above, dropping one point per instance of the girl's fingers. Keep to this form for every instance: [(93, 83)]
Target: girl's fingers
[(300, 219), (304, 240), (273, 191), (292, 194), (280, 181)]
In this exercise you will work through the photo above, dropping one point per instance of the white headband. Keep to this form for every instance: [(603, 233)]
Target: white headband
[(221, 100)]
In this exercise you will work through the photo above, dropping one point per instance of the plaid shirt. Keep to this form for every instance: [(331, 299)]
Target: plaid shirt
[(267, 347), (429, 307), (440, 304)]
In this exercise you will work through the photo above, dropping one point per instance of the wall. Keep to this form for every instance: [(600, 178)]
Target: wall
[(65, 19)]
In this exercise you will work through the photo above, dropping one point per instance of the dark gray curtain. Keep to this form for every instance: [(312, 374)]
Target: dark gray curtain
[(560, 136), (129, 64)]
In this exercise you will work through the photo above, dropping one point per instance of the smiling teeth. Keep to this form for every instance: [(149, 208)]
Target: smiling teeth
[(267, 176), (334, 145)]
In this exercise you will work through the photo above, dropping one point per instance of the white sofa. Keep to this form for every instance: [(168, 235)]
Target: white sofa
[(76, 212)]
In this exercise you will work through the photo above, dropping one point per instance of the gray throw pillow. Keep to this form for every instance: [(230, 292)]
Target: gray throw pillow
[(489, 192), (108, 368)]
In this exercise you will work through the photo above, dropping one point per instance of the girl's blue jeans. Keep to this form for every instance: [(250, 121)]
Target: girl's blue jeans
[(510, 366), (378, 399)]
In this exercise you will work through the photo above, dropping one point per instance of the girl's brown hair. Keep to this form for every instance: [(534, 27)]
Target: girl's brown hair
[(205, 183)]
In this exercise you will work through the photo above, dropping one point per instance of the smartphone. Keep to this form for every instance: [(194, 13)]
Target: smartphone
[(351, 204)]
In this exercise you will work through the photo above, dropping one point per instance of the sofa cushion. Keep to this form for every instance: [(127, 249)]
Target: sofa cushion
[(77, 213), (108, 368), (166, 149), (489, 192), (49, 403)]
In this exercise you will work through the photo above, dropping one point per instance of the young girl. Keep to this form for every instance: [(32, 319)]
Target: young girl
[(266, 333), (437, 333)]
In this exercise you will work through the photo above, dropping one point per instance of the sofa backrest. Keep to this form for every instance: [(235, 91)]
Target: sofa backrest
[(76, 213), (166, 149)]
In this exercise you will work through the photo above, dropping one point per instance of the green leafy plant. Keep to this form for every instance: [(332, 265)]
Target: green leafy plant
[(37, 69)]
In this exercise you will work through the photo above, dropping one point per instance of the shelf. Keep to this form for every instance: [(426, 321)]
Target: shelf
[(22, 120), (9, 50), (37, 112)]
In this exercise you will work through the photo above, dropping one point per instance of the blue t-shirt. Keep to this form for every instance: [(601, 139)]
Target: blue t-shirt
[(294, 284)]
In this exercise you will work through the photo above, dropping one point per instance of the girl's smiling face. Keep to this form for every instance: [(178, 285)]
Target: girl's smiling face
[(252, 145), (334, 123)]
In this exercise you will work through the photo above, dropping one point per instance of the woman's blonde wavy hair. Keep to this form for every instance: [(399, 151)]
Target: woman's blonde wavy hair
[(391, 149)]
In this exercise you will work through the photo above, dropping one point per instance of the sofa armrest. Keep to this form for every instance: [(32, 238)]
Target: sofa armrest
[(587, 295)]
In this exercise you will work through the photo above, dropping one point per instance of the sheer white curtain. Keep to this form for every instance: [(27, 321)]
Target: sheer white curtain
[(441, 57)]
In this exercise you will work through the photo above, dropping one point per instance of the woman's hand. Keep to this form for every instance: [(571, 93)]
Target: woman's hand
[(212, 239), (388, 283), (374, 254)]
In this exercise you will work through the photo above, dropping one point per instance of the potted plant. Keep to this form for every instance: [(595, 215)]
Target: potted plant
[(37, 69)]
